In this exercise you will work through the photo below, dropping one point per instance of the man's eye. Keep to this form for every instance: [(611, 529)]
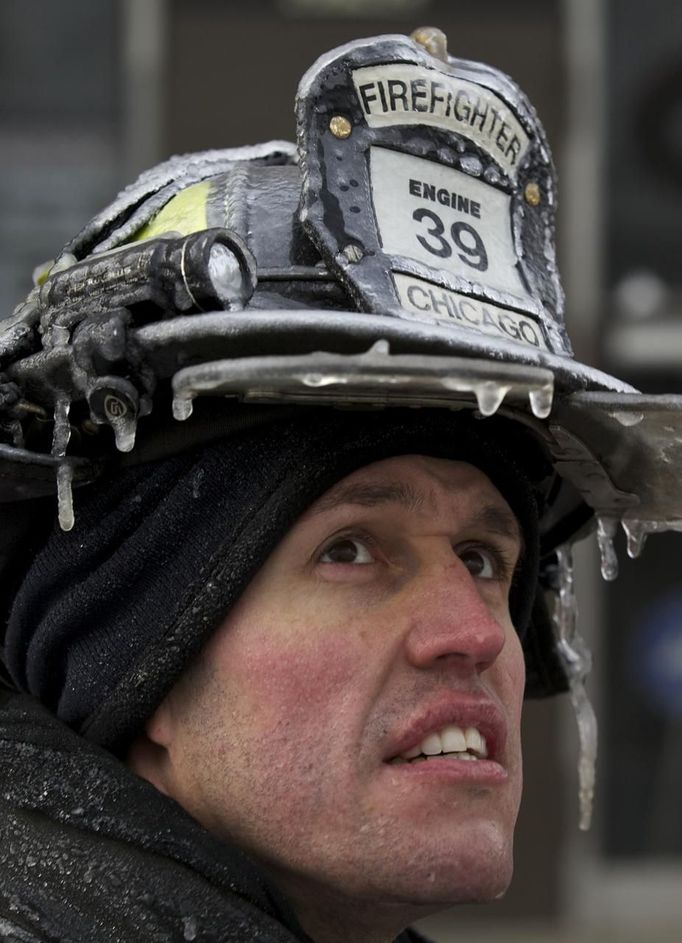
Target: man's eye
[(347, 550), (484, 563)]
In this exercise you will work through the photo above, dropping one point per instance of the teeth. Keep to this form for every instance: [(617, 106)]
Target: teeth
[(450, 740), (474, 740), (453, 739), (431, 745)]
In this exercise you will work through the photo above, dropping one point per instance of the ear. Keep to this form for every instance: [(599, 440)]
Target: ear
[(149, 753), (160, 727)]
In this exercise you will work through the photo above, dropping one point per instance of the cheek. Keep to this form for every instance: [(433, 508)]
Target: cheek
[(515, 675), (512, 690), (292, 675), (283, 706), (508, 677), (518, 669)]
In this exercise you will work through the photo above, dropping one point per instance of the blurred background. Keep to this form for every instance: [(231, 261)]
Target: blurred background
[(91, 93)]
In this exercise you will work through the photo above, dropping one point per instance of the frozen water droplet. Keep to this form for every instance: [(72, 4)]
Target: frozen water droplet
[(636, 533), (577, 662), (189, 928), (541, 401), (606, 531), (627, 418), (65, 260), (65, 497), (381, 347), (182, 407), (489, 397), (227, 277), (322, 379), (59, 335), (353, 253), (125, 429), (471, 164)]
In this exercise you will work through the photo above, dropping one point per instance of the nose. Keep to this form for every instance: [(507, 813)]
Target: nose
[(450, 620)]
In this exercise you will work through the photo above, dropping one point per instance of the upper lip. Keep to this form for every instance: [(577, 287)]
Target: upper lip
[(464, 710)]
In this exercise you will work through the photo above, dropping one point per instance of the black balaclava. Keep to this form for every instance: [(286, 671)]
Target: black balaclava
[(109, 614)]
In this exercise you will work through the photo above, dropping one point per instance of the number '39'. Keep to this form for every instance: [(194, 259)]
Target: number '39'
[(467, 242)]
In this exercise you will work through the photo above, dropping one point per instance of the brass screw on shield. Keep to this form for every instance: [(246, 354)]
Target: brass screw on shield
[(340, 127), (532, 194)]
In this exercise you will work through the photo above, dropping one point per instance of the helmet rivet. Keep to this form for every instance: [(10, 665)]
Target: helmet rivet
[(532, 194), (433, 40), (340, 127)]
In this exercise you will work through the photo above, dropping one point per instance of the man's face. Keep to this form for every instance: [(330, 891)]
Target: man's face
[(378, 629)]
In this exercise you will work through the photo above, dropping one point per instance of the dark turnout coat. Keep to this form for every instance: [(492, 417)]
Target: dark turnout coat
[(90, 853)]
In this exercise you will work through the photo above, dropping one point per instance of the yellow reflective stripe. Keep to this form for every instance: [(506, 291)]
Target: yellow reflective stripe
[(40, 272), (183, 214)]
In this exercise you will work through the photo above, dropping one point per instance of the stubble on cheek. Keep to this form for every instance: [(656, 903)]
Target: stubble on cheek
[(269, 743)]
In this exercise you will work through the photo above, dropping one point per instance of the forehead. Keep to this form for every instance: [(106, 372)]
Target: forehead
[(421, 484)]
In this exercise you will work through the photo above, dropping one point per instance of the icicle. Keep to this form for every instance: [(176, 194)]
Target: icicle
[(16, 430), (189, 926), (183, 407), (628, 418), (606, 531), (636, 532), (125, 429), (577, 662), (541, 401), (652, 527), (489, 396), (120, 407), (65, 497), (57, 335), (60, 442)]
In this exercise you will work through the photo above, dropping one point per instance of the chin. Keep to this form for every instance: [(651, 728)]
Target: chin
[(476, 867)]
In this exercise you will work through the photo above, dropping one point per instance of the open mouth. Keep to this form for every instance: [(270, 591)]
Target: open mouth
[(451, 742)]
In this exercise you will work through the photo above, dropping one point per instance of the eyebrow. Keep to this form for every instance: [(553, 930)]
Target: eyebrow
[(493, 518), (369, 496), (499, 520)]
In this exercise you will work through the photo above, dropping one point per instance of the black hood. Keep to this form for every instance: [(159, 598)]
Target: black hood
[(88, 851)]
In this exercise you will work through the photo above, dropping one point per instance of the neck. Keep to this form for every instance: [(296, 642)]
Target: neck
[(327, 925), (328, 917)]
